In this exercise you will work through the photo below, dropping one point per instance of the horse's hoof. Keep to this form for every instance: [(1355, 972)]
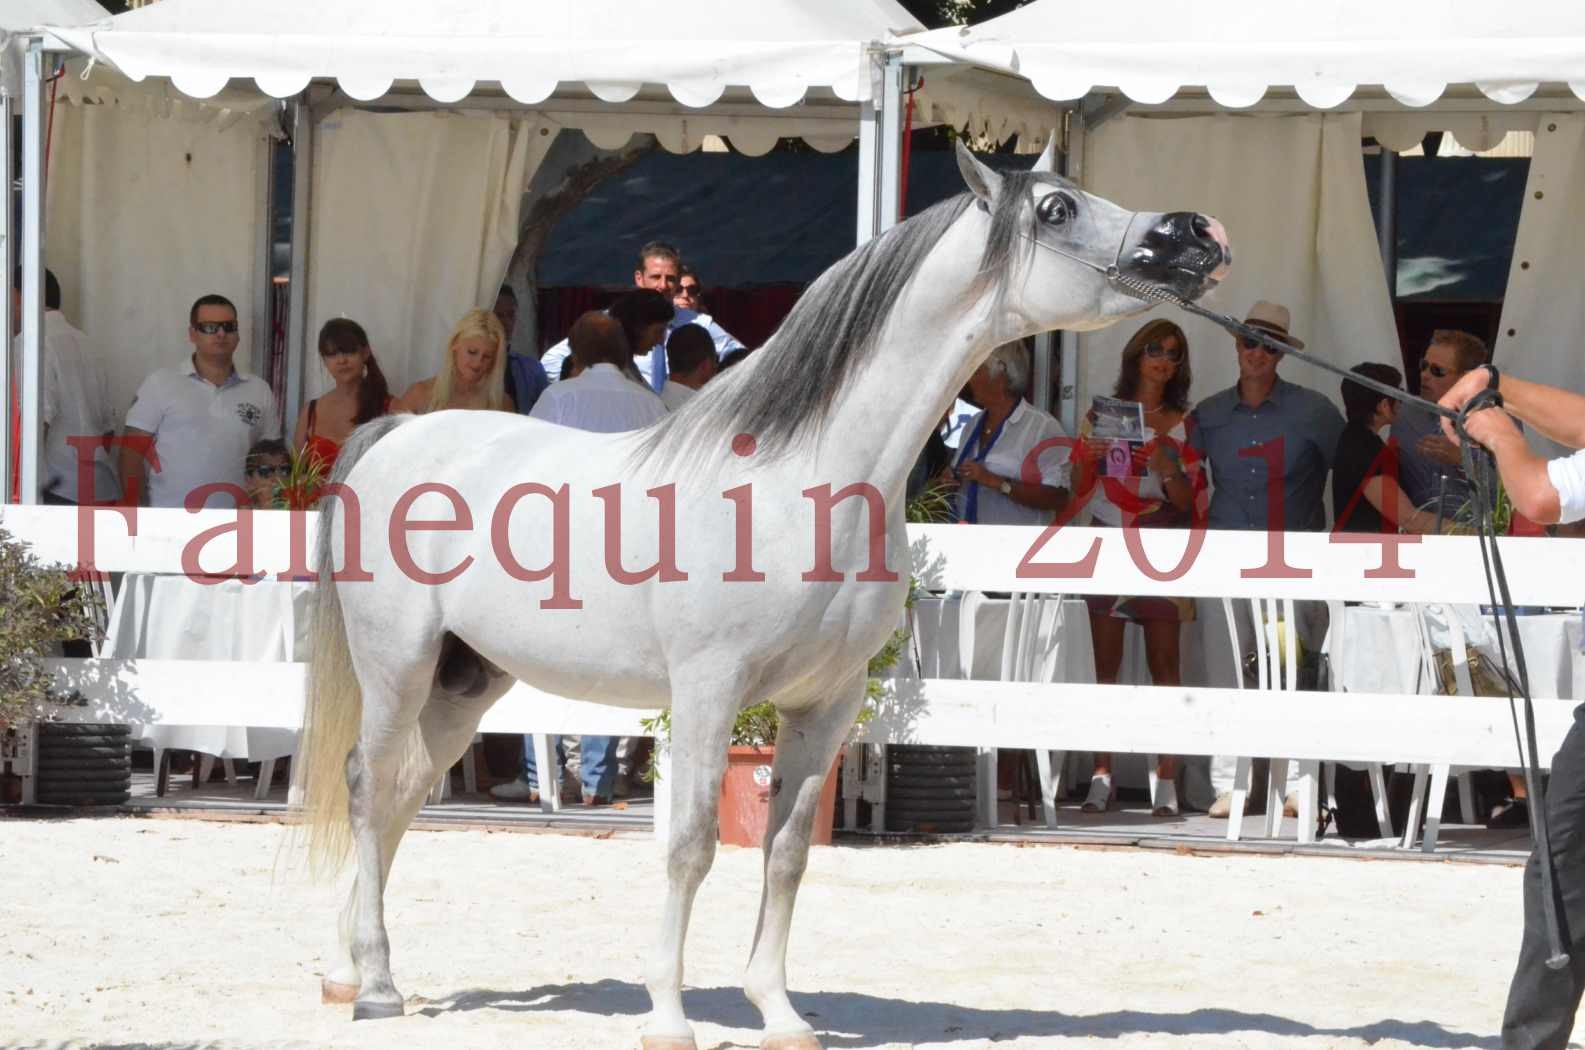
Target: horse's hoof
[(375, 1011), (668, 1042), (336, 992), (796, 1041)]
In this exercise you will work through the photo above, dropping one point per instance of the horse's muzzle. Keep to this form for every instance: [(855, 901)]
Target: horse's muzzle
[(1184, 251)]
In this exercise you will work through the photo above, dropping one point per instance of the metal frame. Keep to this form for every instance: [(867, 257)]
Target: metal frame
[(1068, 342), (7, 261), (33, 120), (293, 375)]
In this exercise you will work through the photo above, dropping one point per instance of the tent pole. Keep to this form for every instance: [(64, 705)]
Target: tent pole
[(1040, 388), (294, 377), (880, 147), (262, 320), (7, 261), (32, 265), (1387, 218), (1068, 342)]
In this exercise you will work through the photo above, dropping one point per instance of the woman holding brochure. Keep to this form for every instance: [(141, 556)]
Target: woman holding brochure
[(1130, 469)]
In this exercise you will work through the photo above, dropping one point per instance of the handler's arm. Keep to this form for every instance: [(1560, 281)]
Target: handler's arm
[(1557, 413), (1524, 474)]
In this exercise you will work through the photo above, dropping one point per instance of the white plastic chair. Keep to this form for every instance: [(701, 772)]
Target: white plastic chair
[(1021, 661), (1277, 667), (1337, 642), (1439, 773)]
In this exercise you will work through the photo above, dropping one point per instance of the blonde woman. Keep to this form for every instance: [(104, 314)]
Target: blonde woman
[(475, 372)]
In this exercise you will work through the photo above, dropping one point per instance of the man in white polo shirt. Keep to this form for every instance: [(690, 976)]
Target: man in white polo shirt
[(202, 415)]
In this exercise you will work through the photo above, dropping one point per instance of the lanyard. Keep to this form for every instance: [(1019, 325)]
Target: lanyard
[(970, 511)]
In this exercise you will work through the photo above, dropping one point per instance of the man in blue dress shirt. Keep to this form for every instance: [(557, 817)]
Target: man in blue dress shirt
[(1269, 445)]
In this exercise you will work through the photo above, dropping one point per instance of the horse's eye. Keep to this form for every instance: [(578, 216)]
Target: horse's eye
[(1055, 208)]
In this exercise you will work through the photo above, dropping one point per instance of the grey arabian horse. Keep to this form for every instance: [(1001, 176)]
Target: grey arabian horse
[(763, 555)]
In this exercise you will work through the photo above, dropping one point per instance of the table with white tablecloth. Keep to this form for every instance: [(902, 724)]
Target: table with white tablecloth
[(1381, 650), (178, 618)]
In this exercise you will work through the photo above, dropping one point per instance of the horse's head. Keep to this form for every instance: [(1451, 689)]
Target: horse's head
[(1089, 262)]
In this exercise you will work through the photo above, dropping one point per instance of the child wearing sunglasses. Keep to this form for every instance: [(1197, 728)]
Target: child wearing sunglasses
[(267, 467)]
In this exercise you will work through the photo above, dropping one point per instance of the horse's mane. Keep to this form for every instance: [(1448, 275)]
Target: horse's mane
[(782, 393)]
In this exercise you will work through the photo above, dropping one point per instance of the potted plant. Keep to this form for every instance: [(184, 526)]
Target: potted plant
[(44, 607)]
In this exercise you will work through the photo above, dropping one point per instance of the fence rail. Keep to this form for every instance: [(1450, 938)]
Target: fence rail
[(985, 714)]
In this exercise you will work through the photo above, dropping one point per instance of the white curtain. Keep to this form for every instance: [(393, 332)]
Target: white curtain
[(1543, 313), (145, 214), (414, 219), (1291, 192)]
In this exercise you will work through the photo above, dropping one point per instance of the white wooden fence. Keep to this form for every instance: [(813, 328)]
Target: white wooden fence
[(1471, 731)]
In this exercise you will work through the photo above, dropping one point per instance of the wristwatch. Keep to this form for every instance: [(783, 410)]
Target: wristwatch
[(1005, 488)]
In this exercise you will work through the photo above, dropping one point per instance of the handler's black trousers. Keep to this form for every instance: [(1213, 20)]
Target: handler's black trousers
[(1542, 1002)]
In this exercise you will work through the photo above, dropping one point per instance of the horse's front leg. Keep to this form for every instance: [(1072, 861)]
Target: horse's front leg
[(702, 712), (806, 744)]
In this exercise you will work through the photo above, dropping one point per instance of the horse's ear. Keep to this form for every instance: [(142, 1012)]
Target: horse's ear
[(982, 181), (1048, 157)]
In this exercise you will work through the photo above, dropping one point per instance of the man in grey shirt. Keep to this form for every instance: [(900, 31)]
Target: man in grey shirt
[(1428, 463)]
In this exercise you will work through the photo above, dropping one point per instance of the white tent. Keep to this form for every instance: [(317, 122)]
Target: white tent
[(17, 19), (1271, 100), (500, 78), (1323, 50)]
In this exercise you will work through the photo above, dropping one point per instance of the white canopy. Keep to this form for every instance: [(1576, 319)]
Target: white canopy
[(777, 48), (729, 68), (1240, 49)]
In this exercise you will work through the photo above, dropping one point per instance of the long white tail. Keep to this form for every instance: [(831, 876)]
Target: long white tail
[(334, 709)]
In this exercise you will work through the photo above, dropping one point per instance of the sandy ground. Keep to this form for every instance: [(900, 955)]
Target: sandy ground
[(132, 932)]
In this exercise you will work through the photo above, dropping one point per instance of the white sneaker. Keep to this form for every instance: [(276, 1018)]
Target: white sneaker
[(515, 791), (1100, 795)]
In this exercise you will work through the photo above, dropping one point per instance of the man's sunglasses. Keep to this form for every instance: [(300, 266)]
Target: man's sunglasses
[(1436, 370), (1173, 354), (269, 470), (216, 327), (1248, 343), (690, 290)]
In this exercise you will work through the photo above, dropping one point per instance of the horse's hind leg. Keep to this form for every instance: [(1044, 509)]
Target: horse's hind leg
[(446, 726), (702, 714), (806, 743)]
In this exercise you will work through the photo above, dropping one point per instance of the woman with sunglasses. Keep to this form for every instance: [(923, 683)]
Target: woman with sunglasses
[(360, 394), (1154, 372)]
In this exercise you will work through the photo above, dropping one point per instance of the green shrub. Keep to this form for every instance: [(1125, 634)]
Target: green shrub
[(41, 606)]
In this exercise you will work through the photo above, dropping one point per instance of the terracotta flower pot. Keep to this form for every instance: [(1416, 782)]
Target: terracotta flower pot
[(745, 798)]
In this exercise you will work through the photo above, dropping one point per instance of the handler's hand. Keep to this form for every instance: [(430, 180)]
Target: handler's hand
[(1491, 427), (1469, 384)]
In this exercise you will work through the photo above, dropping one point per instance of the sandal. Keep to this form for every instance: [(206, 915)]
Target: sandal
[(1100, 795), (1166, 800)]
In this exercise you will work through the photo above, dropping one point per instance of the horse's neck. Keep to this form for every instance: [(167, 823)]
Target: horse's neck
[(935, 337)]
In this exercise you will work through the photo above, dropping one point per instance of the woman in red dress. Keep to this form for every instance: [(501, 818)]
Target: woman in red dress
[(361, 394)]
